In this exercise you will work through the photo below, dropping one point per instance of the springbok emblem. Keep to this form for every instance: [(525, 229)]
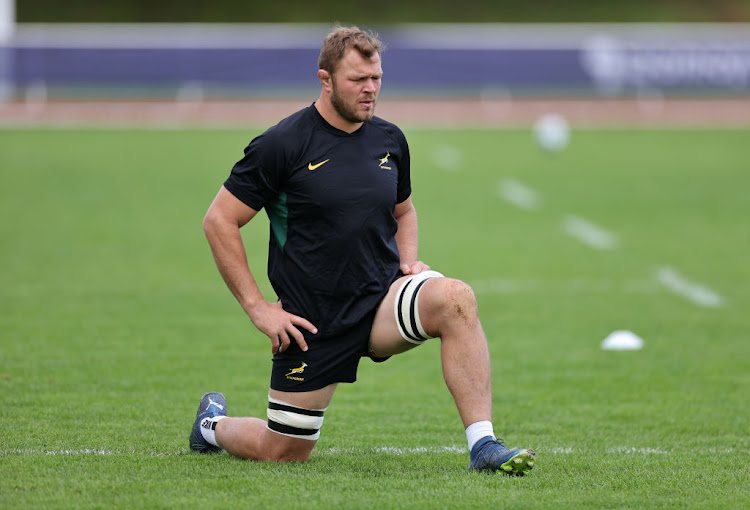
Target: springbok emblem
[(298, 370), (384, 162)]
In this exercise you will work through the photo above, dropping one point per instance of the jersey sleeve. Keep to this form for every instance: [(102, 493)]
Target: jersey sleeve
[(403, 190), (257, 178)]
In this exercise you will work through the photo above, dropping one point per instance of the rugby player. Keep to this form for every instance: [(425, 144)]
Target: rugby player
[(343, 260)]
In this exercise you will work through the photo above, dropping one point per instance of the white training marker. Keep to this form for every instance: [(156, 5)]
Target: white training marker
[(622, 340), (552, 132), (695, 292), (589, 234), (519, 194)]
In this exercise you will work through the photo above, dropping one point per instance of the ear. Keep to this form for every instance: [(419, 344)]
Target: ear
[(325, 79)]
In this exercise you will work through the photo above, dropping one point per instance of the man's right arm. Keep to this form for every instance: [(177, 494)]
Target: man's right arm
[(222, 223)]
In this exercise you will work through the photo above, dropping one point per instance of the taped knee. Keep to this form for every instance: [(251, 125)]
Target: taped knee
[(293, 421), (406, 307)]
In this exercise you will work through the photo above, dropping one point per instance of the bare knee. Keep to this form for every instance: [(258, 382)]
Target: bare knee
[(290, 449), (281, 448), (462, 303), (450, 303)]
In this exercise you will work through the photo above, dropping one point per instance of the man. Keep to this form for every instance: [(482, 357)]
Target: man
[(334, 180)]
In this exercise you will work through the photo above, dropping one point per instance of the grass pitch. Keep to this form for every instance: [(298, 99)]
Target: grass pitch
[(114, 321)]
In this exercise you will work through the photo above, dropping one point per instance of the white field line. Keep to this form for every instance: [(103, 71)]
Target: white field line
[(519, 194), (418, 450), (589, 234), (695, 292), (638, 451), (102, 452), (391, 450), (83, 452)]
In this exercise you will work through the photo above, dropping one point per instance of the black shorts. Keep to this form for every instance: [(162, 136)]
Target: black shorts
[(328, 360)]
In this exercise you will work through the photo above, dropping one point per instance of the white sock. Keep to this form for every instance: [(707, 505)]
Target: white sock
[(208, 429), (477, 431)]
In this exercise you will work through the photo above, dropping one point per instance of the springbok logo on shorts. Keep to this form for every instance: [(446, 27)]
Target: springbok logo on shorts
[(296, 371)]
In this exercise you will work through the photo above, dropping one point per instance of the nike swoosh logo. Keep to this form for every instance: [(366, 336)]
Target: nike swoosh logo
[(310, 166)]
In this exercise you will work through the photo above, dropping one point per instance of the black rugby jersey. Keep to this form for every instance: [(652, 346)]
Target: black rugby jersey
[(329, 196)]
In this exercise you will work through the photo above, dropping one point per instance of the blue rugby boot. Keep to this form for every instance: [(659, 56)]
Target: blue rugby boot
[(490, 454), (212, 404)]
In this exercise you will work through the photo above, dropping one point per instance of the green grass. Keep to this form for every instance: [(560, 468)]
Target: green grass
[(113, 322)]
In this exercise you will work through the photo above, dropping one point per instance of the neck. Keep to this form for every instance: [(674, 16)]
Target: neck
[(329, 113)]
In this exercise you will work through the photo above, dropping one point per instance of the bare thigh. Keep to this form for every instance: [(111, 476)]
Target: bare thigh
[(316, 399), (385, 339)]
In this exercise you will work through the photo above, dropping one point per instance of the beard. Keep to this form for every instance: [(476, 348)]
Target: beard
[(349, 112)]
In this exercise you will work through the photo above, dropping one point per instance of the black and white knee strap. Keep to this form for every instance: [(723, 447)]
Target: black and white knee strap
[(293, 421), (406, 307)]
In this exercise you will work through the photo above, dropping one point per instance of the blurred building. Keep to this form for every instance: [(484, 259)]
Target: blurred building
[(474, 60)]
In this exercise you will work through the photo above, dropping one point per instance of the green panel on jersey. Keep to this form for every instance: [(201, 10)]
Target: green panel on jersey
[(277, 214)]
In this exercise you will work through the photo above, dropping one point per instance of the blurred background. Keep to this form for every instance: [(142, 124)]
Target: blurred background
[(473, 62)]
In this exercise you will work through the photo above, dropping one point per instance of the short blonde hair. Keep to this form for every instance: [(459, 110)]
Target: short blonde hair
[(340, 40)]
